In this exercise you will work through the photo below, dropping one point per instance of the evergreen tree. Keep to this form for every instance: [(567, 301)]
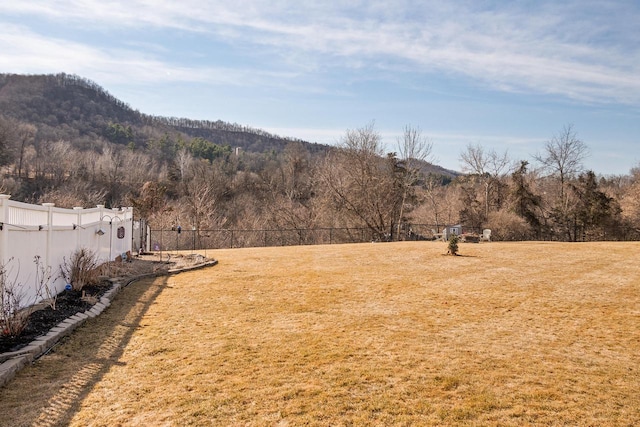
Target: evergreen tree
[(526, 202), (453, 244)]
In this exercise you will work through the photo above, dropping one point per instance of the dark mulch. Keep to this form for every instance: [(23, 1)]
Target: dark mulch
[(41, 321)]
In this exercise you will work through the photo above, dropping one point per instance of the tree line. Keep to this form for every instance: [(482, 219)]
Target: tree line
[(173, 180)]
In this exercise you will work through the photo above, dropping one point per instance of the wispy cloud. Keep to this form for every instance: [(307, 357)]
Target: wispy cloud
[(25, 51), (569, 49)]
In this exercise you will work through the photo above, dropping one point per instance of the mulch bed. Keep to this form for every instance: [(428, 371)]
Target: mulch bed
[(41, 321)]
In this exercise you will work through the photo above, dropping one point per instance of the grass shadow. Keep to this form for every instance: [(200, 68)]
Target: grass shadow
[(50, 391), (460, 256)]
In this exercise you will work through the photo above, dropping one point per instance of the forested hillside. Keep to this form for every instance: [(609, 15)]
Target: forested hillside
[(69, 106), (66, 140)]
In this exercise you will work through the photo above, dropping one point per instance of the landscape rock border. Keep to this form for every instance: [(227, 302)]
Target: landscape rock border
[(12, 362)]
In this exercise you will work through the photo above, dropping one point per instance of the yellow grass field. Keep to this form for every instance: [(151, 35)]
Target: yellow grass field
[(508, 334)]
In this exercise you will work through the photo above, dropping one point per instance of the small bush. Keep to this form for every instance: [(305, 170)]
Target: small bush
[(81, 269)]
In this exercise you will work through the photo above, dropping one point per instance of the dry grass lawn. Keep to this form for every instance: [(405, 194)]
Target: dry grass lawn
[(369, 334)]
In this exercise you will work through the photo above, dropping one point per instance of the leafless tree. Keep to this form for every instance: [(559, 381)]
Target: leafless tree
[(138, 168), (7, 140), (562, 160), (488, 167), (183, 162), (435, 203), (563, 156), (289, 186), (414, 150), (26, 133), (201, 201), (110, 166), (360, 184), (630, 202), (364, 142), (74, 193)]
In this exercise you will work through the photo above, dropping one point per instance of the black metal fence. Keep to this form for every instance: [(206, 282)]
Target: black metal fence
[(190, 239)]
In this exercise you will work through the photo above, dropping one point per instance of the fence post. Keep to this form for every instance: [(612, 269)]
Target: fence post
[(4, 232), (47, 256), (78, 226), (100, 246)]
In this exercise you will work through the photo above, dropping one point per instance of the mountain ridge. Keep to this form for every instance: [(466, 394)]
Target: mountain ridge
[(67, 106)]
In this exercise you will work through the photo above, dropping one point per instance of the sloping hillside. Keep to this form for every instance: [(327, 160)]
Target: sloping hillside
[(69, 106)]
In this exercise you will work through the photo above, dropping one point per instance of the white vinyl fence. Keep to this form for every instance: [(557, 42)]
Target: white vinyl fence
[(50, 234)]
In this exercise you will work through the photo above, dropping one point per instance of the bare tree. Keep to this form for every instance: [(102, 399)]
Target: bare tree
[(138, 168), (203, 193), (289, 187), (434, 206), (630, 201), (487, 167), (562, 159), (414, 150), (26, 133), (111, 165), (151, 199), (295, 171), (7, 140), (360, 184), (563, 156), (364, 142), (74, 193), (183, 163)]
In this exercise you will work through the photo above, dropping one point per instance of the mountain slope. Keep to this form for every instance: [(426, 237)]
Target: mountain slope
[(73, 108), (70, 106)]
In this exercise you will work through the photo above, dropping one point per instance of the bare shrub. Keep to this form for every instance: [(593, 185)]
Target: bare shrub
[(13, 319), (507, 226), (43, 277), (81, 269)]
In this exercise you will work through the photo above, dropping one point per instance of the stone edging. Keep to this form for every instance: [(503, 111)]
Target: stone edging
[(12, 362)]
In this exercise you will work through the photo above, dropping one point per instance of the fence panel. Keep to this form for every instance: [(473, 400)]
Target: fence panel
[(64, 217), (52, 235), (25, 214)]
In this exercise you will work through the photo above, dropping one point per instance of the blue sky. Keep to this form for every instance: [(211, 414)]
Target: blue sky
[(505, 75)]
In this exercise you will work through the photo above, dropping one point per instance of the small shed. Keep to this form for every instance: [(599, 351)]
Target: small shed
[(452, 230)]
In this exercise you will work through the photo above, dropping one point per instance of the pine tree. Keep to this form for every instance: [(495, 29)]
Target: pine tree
[(453, 245)]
